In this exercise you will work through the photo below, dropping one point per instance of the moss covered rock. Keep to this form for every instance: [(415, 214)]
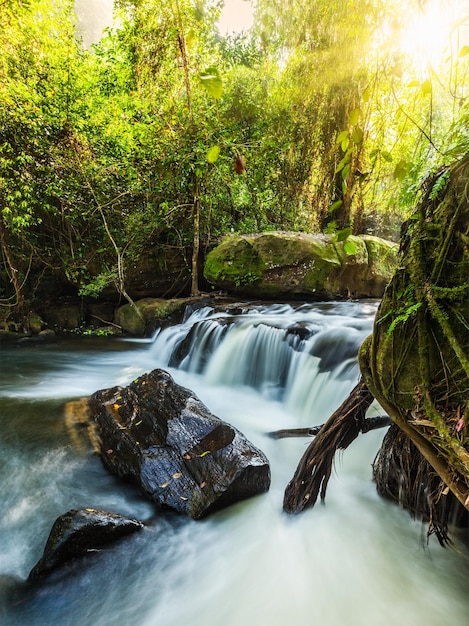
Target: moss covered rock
[(146, 314), (278, 264), (63, 317)]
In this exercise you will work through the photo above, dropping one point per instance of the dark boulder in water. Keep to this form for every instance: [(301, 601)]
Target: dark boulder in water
[(161, 437), (78, 532)]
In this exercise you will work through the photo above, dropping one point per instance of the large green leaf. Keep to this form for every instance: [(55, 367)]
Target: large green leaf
[(211, 80), (350, 248), (335, 205), (353, 117), (342, 136), (402, 169), (357, 135), (343, 234), (213, 154)]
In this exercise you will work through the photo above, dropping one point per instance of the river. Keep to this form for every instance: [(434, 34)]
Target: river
[(356, 560)]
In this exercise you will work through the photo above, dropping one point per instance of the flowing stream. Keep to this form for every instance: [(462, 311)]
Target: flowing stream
[(357, 560)]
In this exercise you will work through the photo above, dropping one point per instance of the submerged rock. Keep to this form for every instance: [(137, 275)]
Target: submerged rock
[(162, 438), (275, 265), (78, 532)]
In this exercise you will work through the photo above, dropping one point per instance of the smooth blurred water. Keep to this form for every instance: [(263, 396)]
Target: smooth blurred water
[(357, 560)]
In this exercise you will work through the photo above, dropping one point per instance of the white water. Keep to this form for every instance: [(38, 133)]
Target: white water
[(357, 560)]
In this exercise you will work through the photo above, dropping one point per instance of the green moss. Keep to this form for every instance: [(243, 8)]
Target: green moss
[(151, 310), (382, 255), (284, 249), (360, 255), (278, 264), (233, 262)]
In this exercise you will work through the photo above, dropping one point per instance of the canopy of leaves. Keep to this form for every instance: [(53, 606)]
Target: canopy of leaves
[(310, 121)]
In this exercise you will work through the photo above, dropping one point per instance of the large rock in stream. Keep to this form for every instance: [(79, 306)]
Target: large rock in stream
[(277, 265), (77, 533), (162, 438)]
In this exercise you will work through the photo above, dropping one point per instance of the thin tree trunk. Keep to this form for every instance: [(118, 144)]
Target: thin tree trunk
[(196, 242), (8, 256)]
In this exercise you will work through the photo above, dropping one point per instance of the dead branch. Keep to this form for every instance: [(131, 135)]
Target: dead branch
[(371, 423)]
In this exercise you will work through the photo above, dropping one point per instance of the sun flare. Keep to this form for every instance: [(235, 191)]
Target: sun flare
[(236, 16), (431, 31)]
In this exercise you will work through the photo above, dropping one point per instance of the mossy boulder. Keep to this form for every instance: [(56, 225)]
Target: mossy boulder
[(278, 264), (146, 314), (63, 317), (34, 323), (234, 262)]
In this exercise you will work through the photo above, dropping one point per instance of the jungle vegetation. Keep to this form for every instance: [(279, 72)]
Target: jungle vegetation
[(326, 116)]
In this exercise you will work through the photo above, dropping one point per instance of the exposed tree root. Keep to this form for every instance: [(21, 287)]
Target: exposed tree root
[(315, 467), (402, 474)]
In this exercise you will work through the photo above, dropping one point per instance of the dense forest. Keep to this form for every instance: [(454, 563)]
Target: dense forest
[(324, 117)]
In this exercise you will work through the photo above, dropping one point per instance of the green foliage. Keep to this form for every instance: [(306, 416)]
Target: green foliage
[(304, 124), (212, 82)]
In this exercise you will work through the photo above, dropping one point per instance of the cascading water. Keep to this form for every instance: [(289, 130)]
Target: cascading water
[(260, 368), (298, 355)]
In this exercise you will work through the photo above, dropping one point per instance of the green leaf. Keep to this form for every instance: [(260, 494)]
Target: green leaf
[(426, 87), (343, 163), (343, 234), (401, 170), (354, 116), (345, 144), (211, 80), (464, 51), (366, 95), (357, 135), (213, 154), (335, 205), (350, 248), (342, 136), (387, 156)]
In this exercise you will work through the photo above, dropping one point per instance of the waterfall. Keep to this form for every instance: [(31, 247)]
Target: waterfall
[(299, 355)]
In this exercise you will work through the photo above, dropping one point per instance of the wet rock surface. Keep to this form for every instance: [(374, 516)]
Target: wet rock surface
[(77, 533), (161, 437)]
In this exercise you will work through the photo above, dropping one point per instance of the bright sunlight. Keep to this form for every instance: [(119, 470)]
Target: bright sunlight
[(236, 16), (433, 31)]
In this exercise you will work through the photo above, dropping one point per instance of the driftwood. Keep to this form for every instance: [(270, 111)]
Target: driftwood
[(371, 423), (315, 467)]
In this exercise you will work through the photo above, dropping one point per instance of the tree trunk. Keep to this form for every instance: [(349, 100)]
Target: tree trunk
[(12, 267), (416, 365), (196, 242)]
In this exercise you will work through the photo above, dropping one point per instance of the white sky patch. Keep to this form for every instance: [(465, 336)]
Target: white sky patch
[(236, 16)]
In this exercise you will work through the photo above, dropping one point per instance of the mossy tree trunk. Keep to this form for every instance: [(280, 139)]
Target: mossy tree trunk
[(416, 364)]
